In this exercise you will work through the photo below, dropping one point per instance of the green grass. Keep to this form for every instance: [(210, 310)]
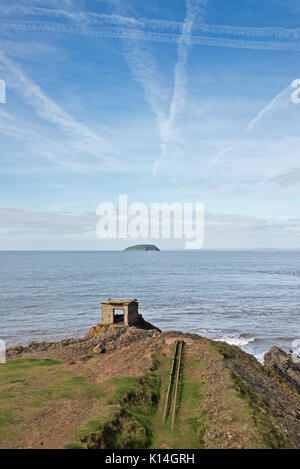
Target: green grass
[(224, 350), (128, 417), (126, 412), (123, 414), (124, 419), (30, 362), (190, 425), (257, 407), (30, 384)]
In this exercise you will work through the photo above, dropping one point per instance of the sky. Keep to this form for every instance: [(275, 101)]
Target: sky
[(170, 101)]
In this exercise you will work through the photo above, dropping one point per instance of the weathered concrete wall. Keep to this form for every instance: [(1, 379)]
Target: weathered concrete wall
[(107, 314)]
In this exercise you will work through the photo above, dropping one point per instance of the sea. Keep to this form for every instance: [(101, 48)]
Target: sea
[(249, 298)]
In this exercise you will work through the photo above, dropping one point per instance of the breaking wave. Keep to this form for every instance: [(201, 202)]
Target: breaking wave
[(238, 340)]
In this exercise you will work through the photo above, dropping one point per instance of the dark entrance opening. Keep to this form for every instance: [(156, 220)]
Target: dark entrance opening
[(118, 316)]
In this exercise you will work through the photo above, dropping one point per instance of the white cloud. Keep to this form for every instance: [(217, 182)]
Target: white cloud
[(221, 230), (45, 107), (19, 221), (289, 178), (31, 50), (293, 5), (94, 149), (62, 152), (147, 73)]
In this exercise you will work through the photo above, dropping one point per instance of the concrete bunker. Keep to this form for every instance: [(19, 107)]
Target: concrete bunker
[(120, 311)]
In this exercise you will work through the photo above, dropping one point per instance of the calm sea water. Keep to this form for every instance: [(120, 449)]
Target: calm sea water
[(247, 298)]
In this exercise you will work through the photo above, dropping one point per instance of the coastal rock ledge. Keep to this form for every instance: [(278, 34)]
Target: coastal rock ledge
[(282, 363)]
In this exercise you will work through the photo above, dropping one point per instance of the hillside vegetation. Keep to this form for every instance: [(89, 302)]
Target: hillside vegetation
[(65, 396)]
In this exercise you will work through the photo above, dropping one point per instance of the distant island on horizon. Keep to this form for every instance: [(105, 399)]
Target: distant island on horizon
[(143, 247)]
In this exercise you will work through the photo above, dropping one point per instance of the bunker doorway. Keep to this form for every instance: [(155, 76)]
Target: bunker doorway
[(118, 316)]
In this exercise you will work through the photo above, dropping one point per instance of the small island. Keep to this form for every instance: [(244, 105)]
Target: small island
[(143, 247)]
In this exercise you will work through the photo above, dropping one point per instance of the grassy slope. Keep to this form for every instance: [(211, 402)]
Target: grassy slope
[(30, 385), (189, 424), (126, 412)]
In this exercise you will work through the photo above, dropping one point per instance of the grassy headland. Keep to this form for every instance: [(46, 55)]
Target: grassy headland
[(115, 399)]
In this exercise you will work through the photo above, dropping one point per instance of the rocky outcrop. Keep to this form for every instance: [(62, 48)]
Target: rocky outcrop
[(264, 389), (100, 339), (99, 348), (283, 365), (140, 323)]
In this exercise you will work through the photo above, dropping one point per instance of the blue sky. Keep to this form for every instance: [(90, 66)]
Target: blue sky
[(165, 101)]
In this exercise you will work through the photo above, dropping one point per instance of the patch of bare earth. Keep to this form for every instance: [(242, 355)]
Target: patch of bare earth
[(133, 360), (51, 426)]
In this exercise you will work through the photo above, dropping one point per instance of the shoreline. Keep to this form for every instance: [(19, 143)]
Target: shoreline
[(48, 297), (238, 339), (45, 344)]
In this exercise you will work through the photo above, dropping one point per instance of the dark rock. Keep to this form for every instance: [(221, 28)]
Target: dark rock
[(140, 323), (17, 349), (85, 358), (99, 348), (32, 344), (282, 363)]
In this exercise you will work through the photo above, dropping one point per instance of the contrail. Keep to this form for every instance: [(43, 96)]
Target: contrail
[(50, 111), (280, 100), (194, 8), (184, 44), (215, 160), (150, 36), (88, 17), (164, 25), (146, 71), (273, 32)]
